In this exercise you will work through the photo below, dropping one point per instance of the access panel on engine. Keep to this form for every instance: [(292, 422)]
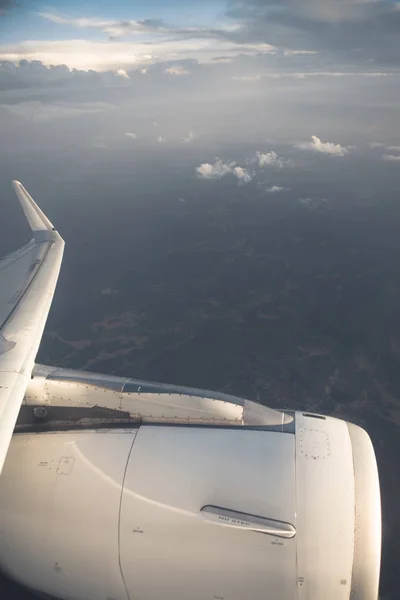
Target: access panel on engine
[(169, 549)]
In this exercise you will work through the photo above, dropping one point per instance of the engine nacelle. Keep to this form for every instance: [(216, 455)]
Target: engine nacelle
[(157, 511)]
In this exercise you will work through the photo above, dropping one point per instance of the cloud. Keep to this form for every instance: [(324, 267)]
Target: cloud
[(84, 54), (135, 43), (117, 28), (270, 159), (242, 174), (313, 202), (123, 73), (99, 144), (288, 74), (254, 77), (112, 27), (190, 137), (219, 169), (274, 189), (161, 139), (215, 171), (101, 55), (41, 112), (298, 52), (35, 74), (329, 33), (176, 70), (395, 148), (391, 158), (131, 135), (352, 31), (324, 147)]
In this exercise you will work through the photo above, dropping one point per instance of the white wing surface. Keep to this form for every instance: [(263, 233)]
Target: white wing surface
[(28, 278)]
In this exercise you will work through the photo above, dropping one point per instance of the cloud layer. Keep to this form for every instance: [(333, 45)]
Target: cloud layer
[(391, 157), (352, 31)]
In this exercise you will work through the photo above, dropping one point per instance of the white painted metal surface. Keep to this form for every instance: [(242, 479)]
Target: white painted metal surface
[(239, 520), (59, 509), (28, 279), (100, 514), (325, 508), (168, 550), (147, 401), (367, 531)]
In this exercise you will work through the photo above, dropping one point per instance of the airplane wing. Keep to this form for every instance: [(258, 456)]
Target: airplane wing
[(28, 278)]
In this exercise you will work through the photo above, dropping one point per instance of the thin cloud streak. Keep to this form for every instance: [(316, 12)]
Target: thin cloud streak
[(391, 158)]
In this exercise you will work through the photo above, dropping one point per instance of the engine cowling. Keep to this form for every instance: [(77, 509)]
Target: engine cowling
[(210, 512)]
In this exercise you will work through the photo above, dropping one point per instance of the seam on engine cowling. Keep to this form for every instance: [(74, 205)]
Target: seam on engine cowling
[(119, 515)]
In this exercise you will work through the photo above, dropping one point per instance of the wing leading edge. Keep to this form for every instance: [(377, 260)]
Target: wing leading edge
[(28, 279)]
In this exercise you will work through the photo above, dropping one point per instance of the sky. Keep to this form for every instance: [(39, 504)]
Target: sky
[(296, 100), (244, 90), (276, 63), (261, 95)]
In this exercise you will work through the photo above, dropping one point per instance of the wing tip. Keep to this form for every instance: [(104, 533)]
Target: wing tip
[(35, 216)]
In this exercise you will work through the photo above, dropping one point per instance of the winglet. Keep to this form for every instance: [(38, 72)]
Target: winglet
[(36, 218)]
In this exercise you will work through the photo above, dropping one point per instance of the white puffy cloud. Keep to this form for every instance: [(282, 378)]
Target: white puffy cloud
[(220, 169), (273, 189), (317, 145), (215, 171), (122, 73), (161, 139), (131, 135), (244, 175), (176, 70), (391, 158), (270, 159)]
